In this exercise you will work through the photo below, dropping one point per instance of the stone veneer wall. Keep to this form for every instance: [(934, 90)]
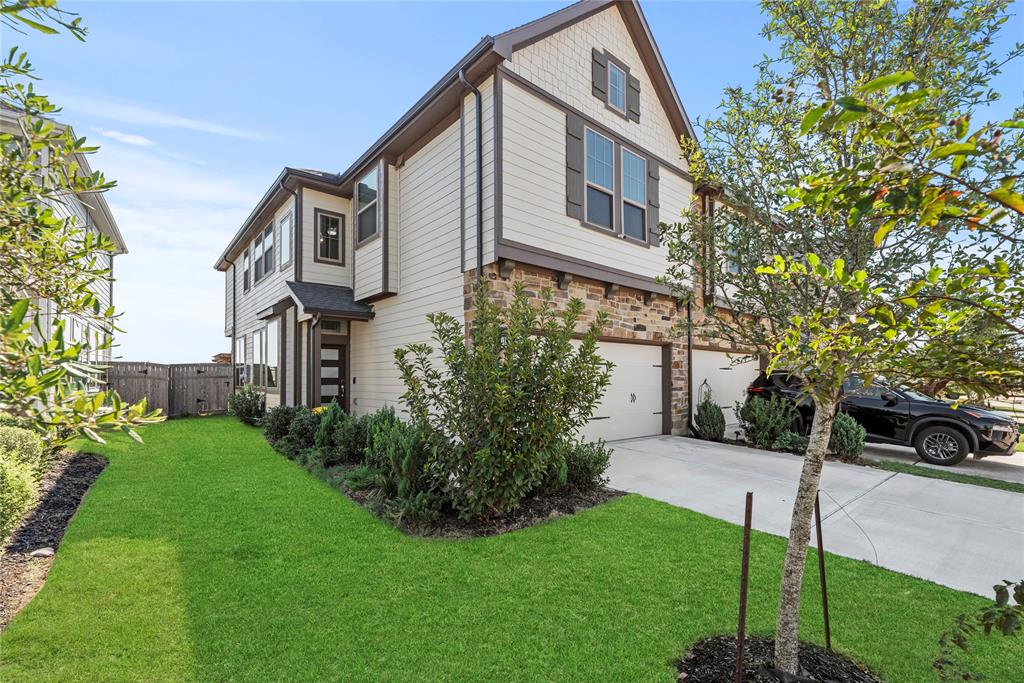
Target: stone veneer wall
[(629, 318)]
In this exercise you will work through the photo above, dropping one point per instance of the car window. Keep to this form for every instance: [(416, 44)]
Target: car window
[(855, 387)]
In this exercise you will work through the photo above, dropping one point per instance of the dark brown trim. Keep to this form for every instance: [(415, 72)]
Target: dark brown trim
[(592, 122), (666, 389), (539, 29), (282, 347), (373, 298), (385, 256), (528, 254), (317, 212), (297, 229), (296, 359), (497, 126), (358, 243), (348, 373)]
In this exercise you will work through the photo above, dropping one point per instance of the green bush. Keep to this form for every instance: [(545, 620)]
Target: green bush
[(277, 422), (501, 405), (331, 417), (399, 454), (362, 478), (18, 488), (791, 442), (847, 439), (248, 404), (765, 421), (710, 420), (585, 466), (23, 446), (350, 441), (379, 425), (301, 433)]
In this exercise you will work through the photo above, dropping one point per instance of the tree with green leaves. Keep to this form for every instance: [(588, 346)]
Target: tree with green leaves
[(45, 381), (793, 267)]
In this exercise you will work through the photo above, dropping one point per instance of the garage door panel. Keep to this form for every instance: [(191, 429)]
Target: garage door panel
[(728, 382), (632, 403)]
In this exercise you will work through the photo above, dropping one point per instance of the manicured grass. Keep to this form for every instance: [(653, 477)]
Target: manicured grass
[(908, 468), (204, 555)]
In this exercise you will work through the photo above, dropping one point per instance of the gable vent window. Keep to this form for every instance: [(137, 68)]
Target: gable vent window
[(634, 196), (366, 207), (600, 179)]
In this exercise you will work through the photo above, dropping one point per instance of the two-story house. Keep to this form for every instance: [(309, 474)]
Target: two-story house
[(547, 156), (92, 214)]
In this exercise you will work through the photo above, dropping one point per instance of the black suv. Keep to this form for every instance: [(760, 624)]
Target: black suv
[(941, 434)]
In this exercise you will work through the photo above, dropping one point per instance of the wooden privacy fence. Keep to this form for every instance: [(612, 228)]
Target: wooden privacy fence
[(179, 389)]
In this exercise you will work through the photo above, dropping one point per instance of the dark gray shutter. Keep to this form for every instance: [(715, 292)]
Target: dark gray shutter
[(653, 231), (599, 75), (574, 166), (633, 98)]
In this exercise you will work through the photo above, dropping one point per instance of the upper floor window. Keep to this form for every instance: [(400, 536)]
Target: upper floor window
[(257, 258), (366, 206), (285, 230), (330, 238), (268, 249), (245, 270), (634, 196), (600, 177), (616, 87)]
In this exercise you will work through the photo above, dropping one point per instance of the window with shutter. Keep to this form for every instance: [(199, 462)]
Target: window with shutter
[(653, 231), (574, 166), (599, 74)]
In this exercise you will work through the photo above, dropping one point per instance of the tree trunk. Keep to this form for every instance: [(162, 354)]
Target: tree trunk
[(787, 626)]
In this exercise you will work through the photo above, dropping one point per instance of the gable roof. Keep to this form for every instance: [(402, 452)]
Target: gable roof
[(443, 98)]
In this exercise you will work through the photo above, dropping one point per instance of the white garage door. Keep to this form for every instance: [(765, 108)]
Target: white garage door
[(728, 382), (631, 406)]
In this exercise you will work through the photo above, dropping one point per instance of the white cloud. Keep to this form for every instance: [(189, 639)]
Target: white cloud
[(111, 109), (127, 138)]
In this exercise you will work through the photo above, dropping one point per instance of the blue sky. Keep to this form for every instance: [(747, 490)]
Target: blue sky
[(197, 106)]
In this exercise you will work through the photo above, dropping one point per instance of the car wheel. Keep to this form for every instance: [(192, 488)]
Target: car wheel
[(940, 445)]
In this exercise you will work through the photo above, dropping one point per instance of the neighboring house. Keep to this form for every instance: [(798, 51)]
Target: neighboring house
[(92, 213), (546, 156)]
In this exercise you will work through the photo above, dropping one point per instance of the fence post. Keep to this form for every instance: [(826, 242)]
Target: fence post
[(741, 630)]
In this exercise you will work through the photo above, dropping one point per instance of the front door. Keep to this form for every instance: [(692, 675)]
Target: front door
[(332, 374)]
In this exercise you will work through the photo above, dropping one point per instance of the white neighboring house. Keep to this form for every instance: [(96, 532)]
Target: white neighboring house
[(547, 155), (93, 213)]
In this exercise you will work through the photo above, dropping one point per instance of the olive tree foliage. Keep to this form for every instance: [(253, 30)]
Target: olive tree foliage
[(815, 289), (44, 256)]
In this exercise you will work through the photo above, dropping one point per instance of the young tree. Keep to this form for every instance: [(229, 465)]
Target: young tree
[(43, 256), (812, 286)]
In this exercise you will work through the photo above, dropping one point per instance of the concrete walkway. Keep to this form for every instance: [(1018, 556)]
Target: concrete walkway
[(959, 535)]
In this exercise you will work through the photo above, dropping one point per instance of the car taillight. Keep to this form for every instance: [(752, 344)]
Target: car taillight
[(755, 390)]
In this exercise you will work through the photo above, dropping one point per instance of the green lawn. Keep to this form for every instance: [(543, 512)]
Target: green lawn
[(205, 555), (948, 475)]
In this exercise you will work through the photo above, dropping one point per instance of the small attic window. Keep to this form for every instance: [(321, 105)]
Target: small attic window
[(616, 87)]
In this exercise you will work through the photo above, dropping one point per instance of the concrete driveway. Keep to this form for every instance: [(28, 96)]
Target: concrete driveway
[(959, 535)]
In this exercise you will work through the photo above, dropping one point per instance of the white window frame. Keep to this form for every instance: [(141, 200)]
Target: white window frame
[(286, 229), (587, 183), (625, 85), (257, 258), (372, 206), (271, 338), (631, 202), (246, 270), (268, 250)]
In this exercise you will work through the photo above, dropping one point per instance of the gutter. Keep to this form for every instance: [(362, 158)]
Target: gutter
[(479, 173)]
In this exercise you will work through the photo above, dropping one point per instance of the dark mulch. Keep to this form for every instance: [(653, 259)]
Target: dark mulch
[(532, 511), (61, 492), (714, 661)]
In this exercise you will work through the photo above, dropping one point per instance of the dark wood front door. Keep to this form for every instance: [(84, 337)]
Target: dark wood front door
[(332, 374)]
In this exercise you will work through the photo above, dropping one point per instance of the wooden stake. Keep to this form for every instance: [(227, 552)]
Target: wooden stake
[(741, 631), (821, 571)]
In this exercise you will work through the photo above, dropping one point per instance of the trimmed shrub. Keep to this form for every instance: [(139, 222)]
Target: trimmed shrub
[(585, 466), (765, 421), (301, 433), (248, 404), (791, 442), (330, 419), (350, 441), (847, 438), (23, 446), (400, 453), (277, 422), (710, 420), (18, 488)]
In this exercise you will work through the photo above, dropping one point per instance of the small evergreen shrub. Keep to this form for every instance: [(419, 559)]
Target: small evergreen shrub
[(362, 478), (379, 426), (400, 453), (585, 466), (791, 442), (350, 441), (23, 446), (18, 489), (765, 421), (248, 404), (330, 419), (847, 439), (301, 433), (277, 422), (710, 420)]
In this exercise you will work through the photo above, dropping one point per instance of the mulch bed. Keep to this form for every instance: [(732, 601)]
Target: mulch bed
[(60, 493), (532, 511), (714, 661)]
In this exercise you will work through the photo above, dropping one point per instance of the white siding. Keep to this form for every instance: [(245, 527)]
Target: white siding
[(534, 191), (328, 273), (369, 263), (394, 230), (229, 298), (469, 170), (429, 254), (269, 290), (561, 65)]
